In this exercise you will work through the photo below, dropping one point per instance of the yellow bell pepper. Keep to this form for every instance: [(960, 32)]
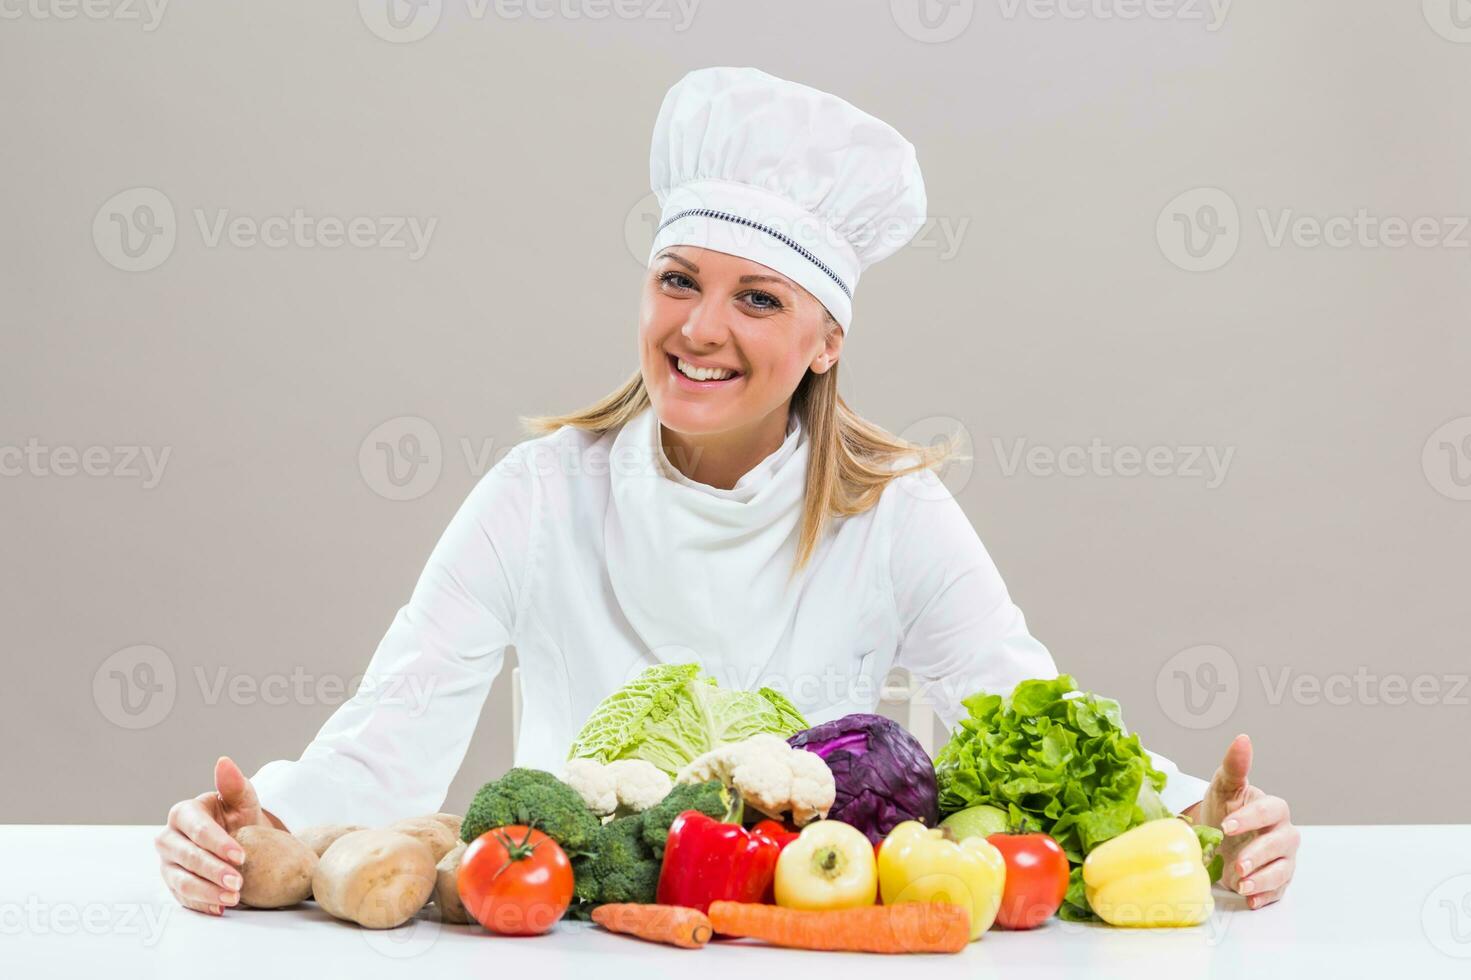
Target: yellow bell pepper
[(1151, 876), (924, 864), (829, 866)]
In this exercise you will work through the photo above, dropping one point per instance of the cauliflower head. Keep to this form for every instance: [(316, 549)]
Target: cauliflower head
[(770, 775), (621, 787)]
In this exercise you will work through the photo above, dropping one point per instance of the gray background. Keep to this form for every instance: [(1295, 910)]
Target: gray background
[(1336, 376)]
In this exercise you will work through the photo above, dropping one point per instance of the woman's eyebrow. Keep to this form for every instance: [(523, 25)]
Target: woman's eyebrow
[(666, 254), (776, 279), (695, 269)]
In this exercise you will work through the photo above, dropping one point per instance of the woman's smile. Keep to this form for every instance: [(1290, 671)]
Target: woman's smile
[(693, 377)]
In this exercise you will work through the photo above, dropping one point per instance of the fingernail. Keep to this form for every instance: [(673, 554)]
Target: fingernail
[(229, 898), (1229, 826), (1243, 868), (214, 910), (1247, 887), (232, 882), (237, 855)]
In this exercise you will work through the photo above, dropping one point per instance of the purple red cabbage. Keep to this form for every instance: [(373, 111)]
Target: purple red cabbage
[(883, 775)]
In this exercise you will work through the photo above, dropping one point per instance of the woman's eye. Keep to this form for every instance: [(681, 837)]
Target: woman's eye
[(756, 298)]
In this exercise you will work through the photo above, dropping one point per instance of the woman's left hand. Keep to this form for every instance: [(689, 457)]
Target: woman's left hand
[(1260, 846)]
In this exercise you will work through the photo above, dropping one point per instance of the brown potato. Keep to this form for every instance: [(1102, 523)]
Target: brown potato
[(432, 831), (376, 878), (450, 820), (320, 836), (278, 868), (447, 888)]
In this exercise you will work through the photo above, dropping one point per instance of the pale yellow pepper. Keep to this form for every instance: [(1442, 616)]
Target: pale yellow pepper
[(925, 864), (829, 866), (1152, 876)]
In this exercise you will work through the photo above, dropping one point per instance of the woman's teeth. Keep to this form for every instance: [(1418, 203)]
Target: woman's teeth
[(702, 374)]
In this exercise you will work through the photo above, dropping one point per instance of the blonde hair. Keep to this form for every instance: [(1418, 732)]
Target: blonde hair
[(850, 462)]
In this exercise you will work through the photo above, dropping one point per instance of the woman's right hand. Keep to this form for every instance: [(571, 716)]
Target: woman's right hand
[(201, 861)]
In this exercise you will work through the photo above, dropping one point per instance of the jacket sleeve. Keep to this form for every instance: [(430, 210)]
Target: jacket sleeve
[(392, 750), (960, 632)]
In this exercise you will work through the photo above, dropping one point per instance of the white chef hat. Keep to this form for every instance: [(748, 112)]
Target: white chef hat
[(785, 175)]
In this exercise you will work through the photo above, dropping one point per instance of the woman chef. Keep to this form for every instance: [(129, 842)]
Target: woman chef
[(723, 506)]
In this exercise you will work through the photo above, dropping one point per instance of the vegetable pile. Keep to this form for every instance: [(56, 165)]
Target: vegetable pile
[(685, 810), (1059, 762)]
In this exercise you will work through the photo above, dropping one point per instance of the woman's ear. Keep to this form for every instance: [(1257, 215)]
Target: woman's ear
[(832, 348)]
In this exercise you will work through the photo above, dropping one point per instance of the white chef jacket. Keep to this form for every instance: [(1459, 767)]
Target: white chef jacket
[(595, 557)]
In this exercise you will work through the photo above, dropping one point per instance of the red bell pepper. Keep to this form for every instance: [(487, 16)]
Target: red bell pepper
[(783, 836), (777, 831), (708, 860)]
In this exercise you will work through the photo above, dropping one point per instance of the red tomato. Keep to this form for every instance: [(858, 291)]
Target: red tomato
[(515, 881), (1036, 879)]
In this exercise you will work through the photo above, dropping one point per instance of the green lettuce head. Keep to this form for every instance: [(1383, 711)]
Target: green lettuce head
[(669, 714), (1058, 761)]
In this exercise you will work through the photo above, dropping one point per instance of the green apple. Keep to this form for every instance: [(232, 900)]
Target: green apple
[(976, 821)]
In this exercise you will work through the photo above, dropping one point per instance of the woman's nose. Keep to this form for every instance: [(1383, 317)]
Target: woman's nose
[(706, 325)]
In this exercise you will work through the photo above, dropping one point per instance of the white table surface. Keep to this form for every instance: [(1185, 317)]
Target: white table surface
[(86, 901)]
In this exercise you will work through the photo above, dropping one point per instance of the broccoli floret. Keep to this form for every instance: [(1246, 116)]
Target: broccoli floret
[(709, 798), (621, 867), (537, 799), (623, 862)]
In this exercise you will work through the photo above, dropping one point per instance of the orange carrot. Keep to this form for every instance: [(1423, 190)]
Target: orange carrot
[(672, 924), (907, 927)]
